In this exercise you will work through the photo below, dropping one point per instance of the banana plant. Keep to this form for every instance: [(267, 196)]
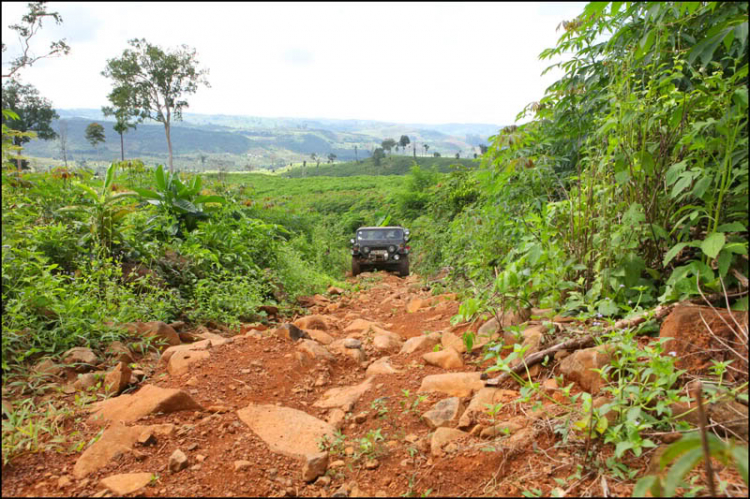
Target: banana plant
[(179, 200), (105, 213)]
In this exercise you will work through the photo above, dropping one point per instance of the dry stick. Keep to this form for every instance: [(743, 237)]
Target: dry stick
[(576, 344), (698, 389)]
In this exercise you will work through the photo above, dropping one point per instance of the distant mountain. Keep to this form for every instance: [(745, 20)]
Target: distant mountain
[(240, 142)]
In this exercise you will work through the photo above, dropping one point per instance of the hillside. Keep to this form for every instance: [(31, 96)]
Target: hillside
[(395, 165), (211, 142)]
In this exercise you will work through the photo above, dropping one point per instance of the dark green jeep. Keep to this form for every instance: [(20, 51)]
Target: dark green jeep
[(381, 248)]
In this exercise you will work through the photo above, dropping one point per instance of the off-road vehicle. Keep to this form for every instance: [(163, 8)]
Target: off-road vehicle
[(381, 248)]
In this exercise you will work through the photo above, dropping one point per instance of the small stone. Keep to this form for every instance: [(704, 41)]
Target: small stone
[(360, 418), (352, 343), (349, 451), (178, 461), (64, 481), (192, 446), (337, 464), (371, 464), (323, 481), (242, 465), (117, 379), (200, 458), (314, 466)]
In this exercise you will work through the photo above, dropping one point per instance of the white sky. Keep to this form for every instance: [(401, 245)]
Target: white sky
[(397, 62)]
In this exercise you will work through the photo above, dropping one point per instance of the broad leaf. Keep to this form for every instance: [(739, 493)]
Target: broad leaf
[(161, 182), (713, 244)]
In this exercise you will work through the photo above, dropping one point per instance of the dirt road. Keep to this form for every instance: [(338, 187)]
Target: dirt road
[(350, 408)]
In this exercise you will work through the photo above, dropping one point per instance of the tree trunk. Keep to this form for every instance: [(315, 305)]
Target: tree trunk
[(122, 148), (169, 146)]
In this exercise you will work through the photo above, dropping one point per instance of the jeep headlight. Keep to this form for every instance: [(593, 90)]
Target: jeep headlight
[(391, 249), (366, 249)]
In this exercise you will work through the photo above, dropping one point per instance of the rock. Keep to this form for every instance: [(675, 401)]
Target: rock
[(727, 413), (177, 325), (578, 367), (342, 491), (82, 358), (312, 351), (357, 354), (64, 481), (387, 342), (484, 397), (371, 464), (454, 384), (160, 332), (443, 436), (693, 346), (450, 340), (86, 381), (352, 343), (488, 328), (318, 322), (414, 305), (117, 379), (291, 332), (359, 326), (120, 352), (116, 440), (286, 431), (148, 400), (180, 362), (343, 397), (242, 465), (333, 291), (444, 413), (447, 358), (166, 356), (126, 483), (501, 429), (323, 481), (178, 461), (550, 385), (532, 339), (423, 342), (320, 336), (380, 366), (314, 466), (48, 367), (336, 417)]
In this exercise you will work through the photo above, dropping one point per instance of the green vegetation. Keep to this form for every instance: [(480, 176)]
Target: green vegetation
[(379, 164)]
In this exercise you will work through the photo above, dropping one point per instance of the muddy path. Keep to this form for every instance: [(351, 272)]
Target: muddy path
[(345, 404)]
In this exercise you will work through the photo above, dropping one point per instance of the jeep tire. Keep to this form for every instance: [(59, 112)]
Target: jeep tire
[(403, 267), (355, 268)]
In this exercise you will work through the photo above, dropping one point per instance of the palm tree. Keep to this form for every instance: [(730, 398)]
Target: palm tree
[(426, 148)]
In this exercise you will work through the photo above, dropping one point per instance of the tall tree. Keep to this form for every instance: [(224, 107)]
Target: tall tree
[(30, 24), (356, 158), (34, 113), (126, 117), (157, 81), (377, 155), (95, 134), (331, 157), (403, 142), (426, 148), (388, 144)]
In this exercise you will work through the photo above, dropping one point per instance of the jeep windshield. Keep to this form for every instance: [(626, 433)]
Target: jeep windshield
[(380, 235)]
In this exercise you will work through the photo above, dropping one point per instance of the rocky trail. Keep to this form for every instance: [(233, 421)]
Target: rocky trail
[(371, 394)]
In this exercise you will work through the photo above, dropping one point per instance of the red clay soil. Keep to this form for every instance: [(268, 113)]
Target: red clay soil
[(265, 371)]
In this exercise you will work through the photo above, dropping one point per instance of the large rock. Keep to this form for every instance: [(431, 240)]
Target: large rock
[(387, 342), (444, 413), (180, 362), (415, 304), (286, 431), (126, 483), (343, 397), (381, 366), (318, 322), (291, 332), (116, 440), (359, 326), (117, 379), (340, 347), (48, 367), (197, 346), (450, 340), (485, 397), (82, 358), (421, 343), (453, 384), (148, 400), (162, 333), (310, 351), (320, 336), (695, 346), (532, 339), (443, 436), (578, 367), (120, 352), (447, 358)]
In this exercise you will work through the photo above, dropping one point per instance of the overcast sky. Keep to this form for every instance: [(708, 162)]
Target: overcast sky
[(398, 62)]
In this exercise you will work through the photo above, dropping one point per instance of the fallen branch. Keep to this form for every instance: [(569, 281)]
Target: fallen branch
[(578, 343)]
